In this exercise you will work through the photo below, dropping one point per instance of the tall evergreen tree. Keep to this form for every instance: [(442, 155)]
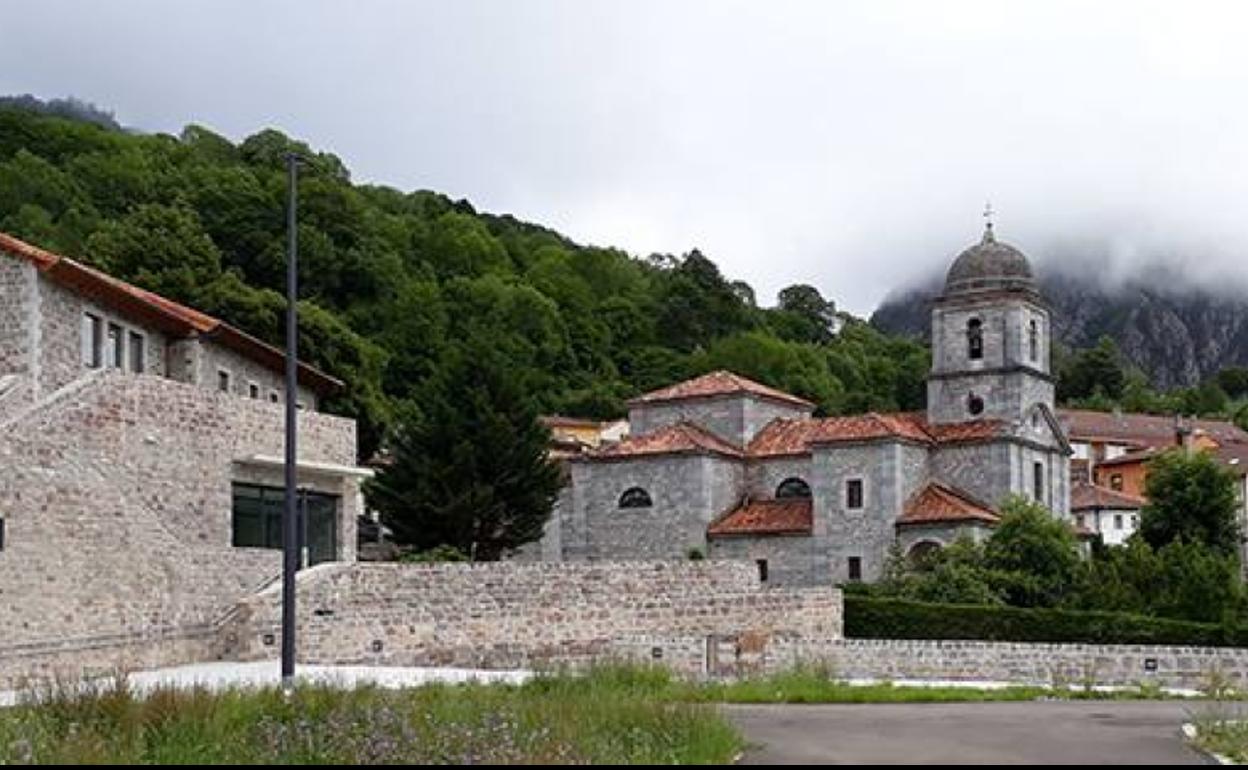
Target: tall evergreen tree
[(469, 463)]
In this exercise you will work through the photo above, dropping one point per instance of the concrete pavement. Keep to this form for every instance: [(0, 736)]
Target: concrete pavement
[(1038, 732)]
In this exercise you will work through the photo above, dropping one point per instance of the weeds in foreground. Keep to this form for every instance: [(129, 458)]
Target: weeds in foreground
[(600, 718)]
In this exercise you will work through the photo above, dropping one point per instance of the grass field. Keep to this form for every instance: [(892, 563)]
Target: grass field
[(612, 714), (598, 719)]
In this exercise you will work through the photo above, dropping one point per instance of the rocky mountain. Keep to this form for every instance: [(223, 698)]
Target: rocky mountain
[(1176, 333)]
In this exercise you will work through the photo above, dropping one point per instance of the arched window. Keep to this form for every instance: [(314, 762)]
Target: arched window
[(974, 404), (792, 488), (1033, 341), (636, 497), (923, 551), (975, 339)]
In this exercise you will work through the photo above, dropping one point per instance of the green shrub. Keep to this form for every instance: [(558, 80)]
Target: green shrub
[(870, 618), (441, 553)]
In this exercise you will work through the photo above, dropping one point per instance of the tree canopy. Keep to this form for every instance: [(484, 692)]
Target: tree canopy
[(1191, 498), (395, 283)]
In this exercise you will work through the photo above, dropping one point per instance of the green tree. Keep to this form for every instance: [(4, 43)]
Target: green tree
[(1234, 381), (1096, 369), (1191, 497), (469, 465), (1032, 553), (161, 248), (803, 315)]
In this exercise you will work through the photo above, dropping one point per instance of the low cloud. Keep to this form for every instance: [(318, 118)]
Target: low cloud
[(851, 146)]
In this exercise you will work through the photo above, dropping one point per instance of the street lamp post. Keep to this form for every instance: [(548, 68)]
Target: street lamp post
[(290, 529)]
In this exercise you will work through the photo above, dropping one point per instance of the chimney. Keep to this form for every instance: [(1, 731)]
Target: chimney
[(1182, 433)]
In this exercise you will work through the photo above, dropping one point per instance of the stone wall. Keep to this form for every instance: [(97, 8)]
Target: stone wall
[(864, 533), (735, 418), (688, 491), (17, 280), (117, 500), (244, 372), (792, 560), (1021, 663), (61, 314), (506, 615)]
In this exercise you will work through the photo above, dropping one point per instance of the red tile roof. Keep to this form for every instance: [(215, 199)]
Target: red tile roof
[(940, 504), (560, 421), (157, 311), (680, 438), (1140, 429), (720, 383), (1135, 456), (1085, 496), (783, 437), (766, 517), (1234, 456)]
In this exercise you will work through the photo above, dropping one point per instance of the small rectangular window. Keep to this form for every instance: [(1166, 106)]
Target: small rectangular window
[(253, 390), (1037, 472), (1117, 521), (116, 347), (138, 353), (762, 570), (855, 568), (223, 381), (274, 397), (1079, 521), (853, 493), (1115, 482), (92, 340), (1, 533)]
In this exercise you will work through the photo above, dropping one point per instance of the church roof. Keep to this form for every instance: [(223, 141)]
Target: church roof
[(1085, 496), (719, 383), (989, 265), (783, 437), (937, 503), (679, 438), (766, 517)]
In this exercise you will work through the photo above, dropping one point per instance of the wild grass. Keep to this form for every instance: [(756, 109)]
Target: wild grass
[(596, 719), (617, 714)]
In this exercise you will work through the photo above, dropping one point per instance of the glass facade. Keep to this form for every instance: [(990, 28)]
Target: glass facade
[(258, 520)]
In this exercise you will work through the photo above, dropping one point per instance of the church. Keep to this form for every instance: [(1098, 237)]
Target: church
[(727, 468)]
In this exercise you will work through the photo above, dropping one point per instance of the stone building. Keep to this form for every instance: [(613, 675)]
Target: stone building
[(725, 467), (141, 447)]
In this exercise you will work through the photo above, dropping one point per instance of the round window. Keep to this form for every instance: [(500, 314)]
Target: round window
[(975, 404)]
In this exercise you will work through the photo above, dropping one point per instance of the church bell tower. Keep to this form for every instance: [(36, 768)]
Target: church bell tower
[(990, 339)]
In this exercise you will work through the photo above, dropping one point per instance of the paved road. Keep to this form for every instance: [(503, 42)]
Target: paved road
[(1105, 732)]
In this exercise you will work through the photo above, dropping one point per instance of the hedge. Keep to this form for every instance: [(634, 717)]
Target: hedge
[(872, 618)]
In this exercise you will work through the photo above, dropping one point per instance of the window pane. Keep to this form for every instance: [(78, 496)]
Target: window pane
[(223, 381), (92, 339), (116, 347), (138, 355)]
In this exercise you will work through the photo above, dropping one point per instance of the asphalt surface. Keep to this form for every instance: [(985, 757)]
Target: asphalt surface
[(1045, 732)]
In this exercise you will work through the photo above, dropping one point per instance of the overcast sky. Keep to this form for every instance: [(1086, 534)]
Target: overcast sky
[(847, 145)]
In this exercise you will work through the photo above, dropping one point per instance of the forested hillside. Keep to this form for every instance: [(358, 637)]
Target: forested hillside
[(395, 283)]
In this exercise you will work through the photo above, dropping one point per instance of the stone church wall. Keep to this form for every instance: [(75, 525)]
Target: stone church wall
[(792, 560), (864, 533), (735, 418), (687, 491)]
